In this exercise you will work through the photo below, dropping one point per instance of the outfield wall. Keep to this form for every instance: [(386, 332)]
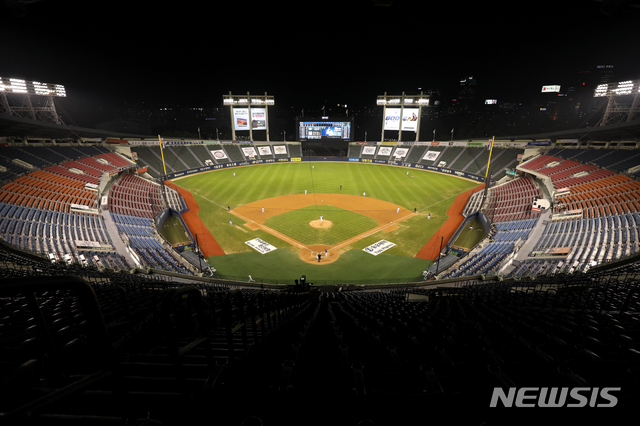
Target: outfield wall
[(445, 170)]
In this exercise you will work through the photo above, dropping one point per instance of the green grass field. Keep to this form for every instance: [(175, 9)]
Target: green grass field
[(469, 238), (428, 192), (173, 231), (345, 224)]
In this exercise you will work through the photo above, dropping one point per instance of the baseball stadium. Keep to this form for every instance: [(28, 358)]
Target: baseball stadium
[(159, 280)]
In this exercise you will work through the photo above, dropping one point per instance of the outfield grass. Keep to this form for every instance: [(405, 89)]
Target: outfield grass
[(428, 192), (345, 224)]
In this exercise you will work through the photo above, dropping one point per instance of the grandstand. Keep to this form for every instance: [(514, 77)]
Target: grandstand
[(104, 321)]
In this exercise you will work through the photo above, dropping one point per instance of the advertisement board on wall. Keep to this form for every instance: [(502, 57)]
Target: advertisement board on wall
[(242, 120), (218, 154), (431, 155), (249, 152), (264, 150), (409, 119), (400, 152), (384, 150), (553, 88), (369, 150)]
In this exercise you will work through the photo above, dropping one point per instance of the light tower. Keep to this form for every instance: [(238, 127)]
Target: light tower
[(16, 94), (402, 113), (249, 112), (624, 101)]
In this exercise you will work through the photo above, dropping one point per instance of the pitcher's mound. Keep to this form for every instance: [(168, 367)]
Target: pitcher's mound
[(323, 225)]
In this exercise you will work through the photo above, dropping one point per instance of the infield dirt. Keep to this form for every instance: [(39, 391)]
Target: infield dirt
[(385, 213)]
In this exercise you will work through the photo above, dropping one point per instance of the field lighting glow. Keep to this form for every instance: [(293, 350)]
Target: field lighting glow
[(19, 86), (628, 87)]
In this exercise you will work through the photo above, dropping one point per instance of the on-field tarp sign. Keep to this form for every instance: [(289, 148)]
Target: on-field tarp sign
[(377, 248), (260, 245)]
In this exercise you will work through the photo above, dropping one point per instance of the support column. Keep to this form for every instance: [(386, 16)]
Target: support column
[(419, 117), (249, 116), (233, 124), (384, 116), (400, 124), (266, 114)]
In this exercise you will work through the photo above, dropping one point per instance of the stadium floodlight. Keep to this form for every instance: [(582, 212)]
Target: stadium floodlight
[(402, 112), (15, 99), (20, 86), (248, 112), (627, 87)]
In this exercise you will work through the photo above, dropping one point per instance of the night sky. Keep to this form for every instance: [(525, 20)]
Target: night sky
[(309, 53)]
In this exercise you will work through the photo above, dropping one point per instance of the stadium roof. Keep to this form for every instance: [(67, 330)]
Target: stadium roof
[(618, 131), (11, 125)]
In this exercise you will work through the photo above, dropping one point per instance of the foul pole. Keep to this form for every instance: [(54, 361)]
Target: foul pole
[(164, 166), (487, 176)]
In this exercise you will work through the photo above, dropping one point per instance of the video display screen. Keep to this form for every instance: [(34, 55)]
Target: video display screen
[(311, 130)]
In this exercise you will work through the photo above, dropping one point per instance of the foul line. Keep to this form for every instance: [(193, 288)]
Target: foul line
[(273, 232), (337, 246)]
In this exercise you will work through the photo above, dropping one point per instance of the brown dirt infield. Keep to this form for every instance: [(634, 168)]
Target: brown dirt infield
[(325, 224), (208, 243), (384, 212), (431, 250)]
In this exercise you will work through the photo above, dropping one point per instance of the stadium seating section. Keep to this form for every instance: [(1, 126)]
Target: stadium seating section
[(89, 342), (81, 346)]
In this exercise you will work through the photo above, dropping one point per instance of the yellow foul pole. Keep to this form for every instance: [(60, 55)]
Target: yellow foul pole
[(488, 163), (162, 154)]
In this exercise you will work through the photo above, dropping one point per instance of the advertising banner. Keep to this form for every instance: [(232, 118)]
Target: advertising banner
[(260, 246), (249, 151), (377, 248), (400, 152), (280, 149), (410, 119), (384, 150), (392, 119), (553, 88), (431, 155), (258, 119), (264, 150), (218, 154), (369, 150), (242, 120)]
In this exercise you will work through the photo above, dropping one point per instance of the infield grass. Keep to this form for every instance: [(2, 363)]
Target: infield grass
[(427, 192), (345, 224)]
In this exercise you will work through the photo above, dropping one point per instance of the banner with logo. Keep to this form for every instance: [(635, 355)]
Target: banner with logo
[(241, 119), (258, 119), (369, 150), (260, 246), (392, 119), (384, 150), (218, 154), (400, 152), (379, 247), (410, 119), (431, 155), (280, 149), (249, 151), (264, 150)]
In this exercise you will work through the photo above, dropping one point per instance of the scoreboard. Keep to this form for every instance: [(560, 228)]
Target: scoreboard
[(320, 129)]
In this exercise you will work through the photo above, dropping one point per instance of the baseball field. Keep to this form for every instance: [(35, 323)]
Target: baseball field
[(369, 223)]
